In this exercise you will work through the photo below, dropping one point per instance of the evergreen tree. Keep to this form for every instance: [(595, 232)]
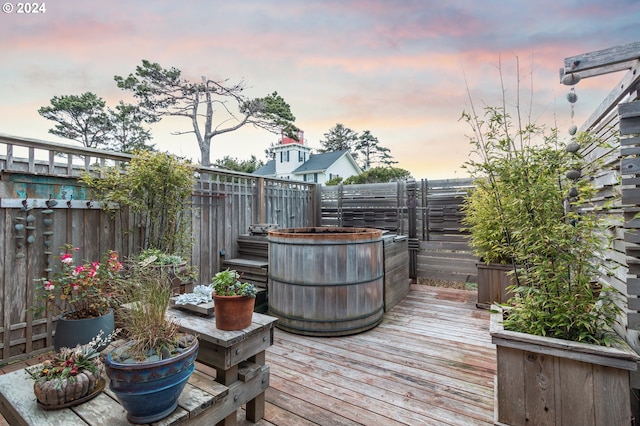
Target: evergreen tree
[(164, 92), (80, 118), (339, 138), (379, 175), (245, 166), (368, 148), (127, 133)]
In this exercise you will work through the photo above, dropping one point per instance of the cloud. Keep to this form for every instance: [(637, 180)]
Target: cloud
[(400, 69)]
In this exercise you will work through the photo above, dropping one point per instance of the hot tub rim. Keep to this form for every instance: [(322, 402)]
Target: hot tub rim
[(325, 233)]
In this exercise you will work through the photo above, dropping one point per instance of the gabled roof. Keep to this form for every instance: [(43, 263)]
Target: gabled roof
[(320, 162), (268, 169)]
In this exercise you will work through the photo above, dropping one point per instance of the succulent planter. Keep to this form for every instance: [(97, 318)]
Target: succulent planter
[(176, 276), (548, 381), (57, 394)]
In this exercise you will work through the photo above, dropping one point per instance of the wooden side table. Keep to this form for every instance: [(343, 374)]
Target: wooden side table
[(239, 360)]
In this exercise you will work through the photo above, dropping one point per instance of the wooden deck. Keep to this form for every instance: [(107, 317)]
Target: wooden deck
[(430, 362)]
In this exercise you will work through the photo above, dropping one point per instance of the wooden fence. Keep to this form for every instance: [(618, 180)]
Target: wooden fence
[(37, 174), (427, 212)]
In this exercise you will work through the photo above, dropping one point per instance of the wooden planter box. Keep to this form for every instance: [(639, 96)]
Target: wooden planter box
[(548, 381), (493, 280)]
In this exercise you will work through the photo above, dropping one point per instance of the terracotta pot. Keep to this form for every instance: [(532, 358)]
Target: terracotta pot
[(233, 312)]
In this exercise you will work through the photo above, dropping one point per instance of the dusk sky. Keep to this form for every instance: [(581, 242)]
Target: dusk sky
[(394, 67)]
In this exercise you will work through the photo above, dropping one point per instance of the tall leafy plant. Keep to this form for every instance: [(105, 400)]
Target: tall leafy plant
[(526, 211), (157, 188)]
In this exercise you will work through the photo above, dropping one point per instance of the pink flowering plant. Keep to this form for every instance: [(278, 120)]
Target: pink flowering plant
[(81, 291)]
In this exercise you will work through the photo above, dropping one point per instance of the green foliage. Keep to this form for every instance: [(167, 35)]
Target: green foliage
[(80, 118), (82, 291), (244, 166), (176, 264), (154, 256), (482, 218), (379, 174), (334, 181), (145, 320), (520, 212), (157, 187), (227, 283), (339, 138), (368, 147), (126, 131), (164, 92), (84, 119), (274, 113), (364, 148), (68, 363)]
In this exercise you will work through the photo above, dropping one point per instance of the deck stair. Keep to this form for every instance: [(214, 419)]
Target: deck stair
[(252, 262)]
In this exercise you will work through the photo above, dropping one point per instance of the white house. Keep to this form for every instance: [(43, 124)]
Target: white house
[(292, 159)]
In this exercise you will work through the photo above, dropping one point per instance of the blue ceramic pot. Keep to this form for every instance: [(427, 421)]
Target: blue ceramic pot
[(149, 391), (71, 332)]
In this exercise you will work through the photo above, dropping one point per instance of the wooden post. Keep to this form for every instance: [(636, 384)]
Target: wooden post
[(261, 197), (412, 217), (425, 202), (339, 213)]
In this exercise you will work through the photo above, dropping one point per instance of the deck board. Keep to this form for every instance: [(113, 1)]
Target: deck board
[(429, 362)]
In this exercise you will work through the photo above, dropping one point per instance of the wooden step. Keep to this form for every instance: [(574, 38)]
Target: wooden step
[(253, 247), (252, 271)]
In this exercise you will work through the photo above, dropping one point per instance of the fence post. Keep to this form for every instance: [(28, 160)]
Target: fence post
[(261, 198), (412, 233), (316, 203), (339, 212), (425, 201)]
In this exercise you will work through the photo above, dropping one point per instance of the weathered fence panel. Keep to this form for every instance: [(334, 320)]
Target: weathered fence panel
[(374, 205), (35, 172), (428, 212)]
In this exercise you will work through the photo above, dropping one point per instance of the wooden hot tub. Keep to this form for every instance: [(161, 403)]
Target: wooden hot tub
[(326, 281)]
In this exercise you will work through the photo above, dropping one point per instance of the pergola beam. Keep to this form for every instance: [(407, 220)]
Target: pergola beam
[(605, 61)]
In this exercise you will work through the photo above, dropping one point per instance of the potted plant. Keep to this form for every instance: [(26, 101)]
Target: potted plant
[(83, 295), (70, 377), (149, 371), (556, 347), (179, 273), (490, 240), (233, 300)]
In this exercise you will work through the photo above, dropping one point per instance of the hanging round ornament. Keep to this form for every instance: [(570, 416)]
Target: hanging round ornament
[(570, 79)]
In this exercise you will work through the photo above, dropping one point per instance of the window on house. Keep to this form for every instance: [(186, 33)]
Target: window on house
[(300, 156), (315, 177)]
